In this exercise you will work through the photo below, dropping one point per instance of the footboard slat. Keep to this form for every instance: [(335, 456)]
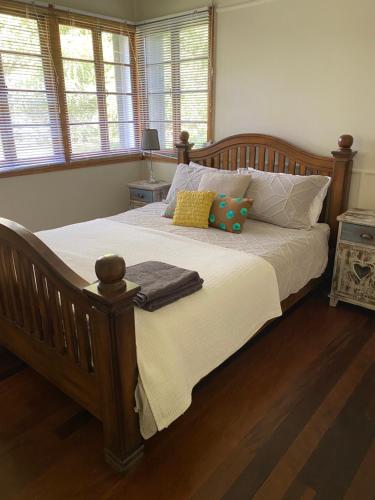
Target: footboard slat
[(58, 337), (6, 304), (47, 327), (2, 295), (37, 304), (30, 297), (71, 347), (23, 293), (14, 290), (83, 340)]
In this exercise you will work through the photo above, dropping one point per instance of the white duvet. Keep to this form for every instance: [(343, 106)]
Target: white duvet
[(179, 344)]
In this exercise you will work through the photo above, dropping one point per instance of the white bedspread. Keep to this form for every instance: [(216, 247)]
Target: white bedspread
[(181, 343), (297, 255)]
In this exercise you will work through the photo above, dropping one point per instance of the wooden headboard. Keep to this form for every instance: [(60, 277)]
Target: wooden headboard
[(265, 152)]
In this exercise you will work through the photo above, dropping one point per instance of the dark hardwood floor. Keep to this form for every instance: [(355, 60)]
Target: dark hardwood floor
[(291, 416)]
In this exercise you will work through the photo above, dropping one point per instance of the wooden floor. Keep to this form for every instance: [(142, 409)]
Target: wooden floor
[(291, 416)]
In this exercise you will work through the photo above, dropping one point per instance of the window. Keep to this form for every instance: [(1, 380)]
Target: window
[(175, 76), (75, 88), (99, 90), (29, 111)]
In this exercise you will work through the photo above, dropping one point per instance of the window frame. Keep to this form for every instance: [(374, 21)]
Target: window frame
[(9, 146), (176, 97), (100, 92)]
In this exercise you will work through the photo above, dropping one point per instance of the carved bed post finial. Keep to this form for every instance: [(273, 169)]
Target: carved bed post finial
[(110, 270), (345, 142), (184, 147)]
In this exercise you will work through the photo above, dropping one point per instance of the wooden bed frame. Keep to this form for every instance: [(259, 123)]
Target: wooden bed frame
[(81, 336)]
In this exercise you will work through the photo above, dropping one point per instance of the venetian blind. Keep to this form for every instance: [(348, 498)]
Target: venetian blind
[(29, 110), (175, 73), (99, 86)]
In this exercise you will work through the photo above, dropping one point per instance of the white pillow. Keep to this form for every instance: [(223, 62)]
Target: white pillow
[(221, 170), (286, 200), (317, 206), (187, 178), (231, 185)]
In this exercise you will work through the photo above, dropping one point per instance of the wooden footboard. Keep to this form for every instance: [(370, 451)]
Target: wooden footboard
[(78, 335)]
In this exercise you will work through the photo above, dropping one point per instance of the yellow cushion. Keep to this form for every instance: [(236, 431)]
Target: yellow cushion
[(193, 208)]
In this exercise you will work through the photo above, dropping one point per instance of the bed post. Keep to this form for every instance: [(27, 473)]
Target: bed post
[(342, 172), (184, 147), (114, 352)]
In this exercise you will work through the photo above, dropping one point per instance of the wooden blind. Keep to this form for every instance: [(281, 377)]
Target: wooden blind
[(29, 109), (175, 75)]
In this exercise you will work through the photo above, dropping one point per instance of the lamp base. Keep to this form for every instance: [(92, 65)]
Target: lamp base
[(151, 178)]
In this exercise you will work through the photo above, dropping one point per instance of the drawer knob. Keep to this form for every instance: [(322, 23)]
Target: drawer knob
[(366, 236)]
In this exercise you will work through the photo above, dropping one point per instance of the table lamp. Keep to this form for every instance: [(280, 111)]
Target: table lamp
[(150, 142)]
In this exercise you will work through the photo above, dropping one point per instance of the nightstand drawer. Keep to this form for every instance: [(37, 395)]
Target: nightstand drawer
[(358, 234), (141, 195)]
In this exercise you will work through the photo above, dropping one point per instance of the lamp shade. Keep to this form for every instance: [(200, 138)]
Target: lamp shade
[(150, 139)]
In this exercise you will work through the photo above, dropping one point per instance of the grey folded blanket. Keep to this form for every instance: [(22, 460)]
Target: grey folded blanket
[(161, 283)]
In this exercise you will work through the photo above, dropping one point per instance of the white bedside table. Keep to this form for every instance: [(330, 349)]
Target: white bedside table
[(354, 272), (142, 192)]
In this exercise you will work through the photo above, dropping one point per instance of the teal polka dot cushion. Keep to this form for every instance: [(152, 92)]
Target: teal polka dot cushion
[(229, 214)]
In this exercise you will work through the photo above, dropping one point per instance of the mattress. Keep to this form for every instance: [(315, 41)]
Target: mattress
[(297, 255)]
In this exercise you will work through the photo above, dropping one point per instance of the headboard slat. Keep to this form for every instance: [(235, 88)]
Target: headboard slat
[(261, 157), (271, 160), (233, 158), (225, 156), (291, 166), (243, 151), (280, 163), (251, 156)]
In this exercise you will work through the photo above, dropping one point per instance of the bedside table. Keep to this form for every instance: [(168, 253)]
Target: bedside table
[(142, 192), (354, 271)]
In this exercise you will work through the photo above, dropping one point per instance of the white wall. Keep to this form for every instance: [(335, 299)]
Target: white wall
[(148, 9), (301, 70), (53, 199), (122, 9)]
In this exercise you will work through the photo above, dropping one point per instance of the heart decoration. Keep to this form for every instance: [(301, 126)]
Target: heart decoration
[(361, 271)]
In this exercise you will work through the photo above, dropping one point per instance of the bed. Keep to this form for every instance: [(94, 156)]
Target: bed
[(71, 316)]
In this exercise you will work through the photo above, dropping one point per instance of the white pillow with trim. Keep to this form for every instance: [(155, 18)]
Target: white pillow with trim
[(187, 178), (286, 200)]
